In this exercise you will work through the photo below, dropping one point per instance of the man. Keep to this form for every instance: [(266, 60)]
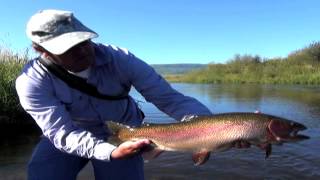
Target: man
[(72, 121)]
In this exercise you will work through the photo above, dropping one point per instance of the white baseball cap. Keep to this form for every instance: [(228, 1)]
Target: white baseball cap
[(57, 31)]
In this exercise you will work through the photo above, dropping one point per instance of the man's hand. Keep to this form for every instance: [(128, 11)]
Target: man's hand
[(129, 148)]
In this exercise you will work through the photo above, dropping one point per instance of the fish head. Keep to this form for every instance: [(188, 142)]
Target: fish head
[(282, 130)]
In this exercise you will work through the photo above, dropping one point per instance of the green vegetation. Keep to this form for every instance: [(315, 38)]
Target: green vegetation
[(10, 66), (176, 68), (300, 67)]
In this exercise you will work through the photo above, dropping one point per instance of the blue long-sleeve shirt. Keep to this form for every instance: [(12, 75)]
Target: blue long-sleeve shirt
[(74, 121)]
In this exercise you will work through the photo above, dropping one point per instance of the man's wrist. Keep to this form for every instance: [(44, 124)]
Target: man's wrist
[(103, 151)]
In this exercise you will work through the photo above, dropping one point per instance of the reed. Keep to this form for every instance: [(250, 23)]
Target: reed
[(10, 67)]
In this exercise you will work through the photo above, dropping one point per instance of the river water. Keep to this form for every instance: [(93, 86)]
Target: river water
[(290, 161)]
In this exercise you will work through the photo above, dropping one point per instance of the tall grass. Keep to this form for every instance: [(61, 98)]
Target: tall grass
[(300, 67), (10, 67)]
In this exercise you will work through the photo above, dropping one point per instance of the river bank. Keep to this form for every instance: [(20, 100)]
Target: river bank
[(300, 67)]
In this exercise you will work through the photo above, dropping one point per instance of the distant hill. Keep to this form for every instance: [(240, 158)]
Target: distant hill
[(166, 69)]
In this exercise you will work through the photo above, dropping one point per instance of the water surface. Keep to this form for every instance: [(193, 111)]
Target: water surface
[(290, 161)]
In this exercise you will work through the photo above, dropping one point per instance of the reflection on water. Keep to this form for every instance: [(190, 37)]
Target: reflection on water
[(15, 151), (290, 161)]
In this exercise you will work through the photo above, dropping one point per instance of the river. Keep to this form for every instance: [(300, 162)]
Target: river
[(290, 161)]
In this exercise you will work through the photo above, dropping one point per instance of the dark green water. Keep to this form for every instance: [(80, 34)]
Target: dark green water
[(289, 161)]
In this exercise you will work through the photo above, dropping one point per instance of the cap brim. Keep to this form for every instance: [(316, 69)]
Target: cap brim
[(64, 42)]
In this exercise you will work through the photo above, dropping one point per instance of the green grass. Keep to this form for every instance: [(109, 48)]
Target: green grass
[(10, 67)]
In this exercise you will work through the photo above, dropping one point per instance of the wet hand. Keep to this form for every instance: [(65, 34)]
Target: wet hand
[(129, 148)]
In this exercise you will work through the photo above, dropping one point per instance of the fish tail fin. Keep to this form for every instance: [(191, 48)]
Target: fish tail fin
[(114, 130)]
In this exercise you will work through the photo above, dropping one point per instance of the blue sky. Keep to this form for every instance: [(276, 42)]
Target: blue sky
[(180, 31)]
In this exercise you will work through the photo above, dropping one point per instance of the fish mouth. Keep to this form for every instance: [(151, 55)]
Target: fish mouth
[(286, 131)]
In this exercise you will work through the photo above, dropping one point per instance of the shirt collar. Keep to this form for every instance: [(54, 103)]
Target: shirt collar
[(102, 55)]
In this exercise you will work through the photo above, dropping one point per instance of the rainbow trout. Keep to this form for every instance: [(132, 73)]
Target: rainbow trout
[(204, 134)]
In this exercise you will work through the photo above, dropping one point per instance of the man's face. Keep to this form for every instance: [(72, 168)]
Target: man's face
[(76, 59)]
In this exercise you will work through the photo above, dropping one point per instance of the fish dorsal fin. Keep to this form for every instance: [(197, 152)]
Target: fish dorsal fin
[(200, 157)]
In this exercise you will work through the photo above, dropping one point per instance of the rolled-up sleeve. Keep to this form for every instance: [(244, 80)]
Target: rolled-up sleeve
[(38, 99), (158, 91)]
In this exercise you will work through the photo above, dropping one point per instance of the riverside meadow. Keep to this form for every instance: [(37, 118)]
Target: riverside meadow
[(299, 67)]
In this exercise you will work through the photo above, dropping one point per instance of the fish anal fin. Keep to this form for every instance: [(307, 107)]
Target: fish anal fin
[(200, 157), (151, 152)]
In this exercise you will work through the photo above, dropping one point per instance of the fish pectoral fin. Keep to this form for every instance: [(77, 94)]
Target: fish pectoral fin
[(200, 157), (267, 147), (151, 153)]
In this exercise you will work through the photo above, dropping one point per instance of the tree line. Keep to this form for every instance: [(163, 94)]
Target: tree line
[(299, 67)]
